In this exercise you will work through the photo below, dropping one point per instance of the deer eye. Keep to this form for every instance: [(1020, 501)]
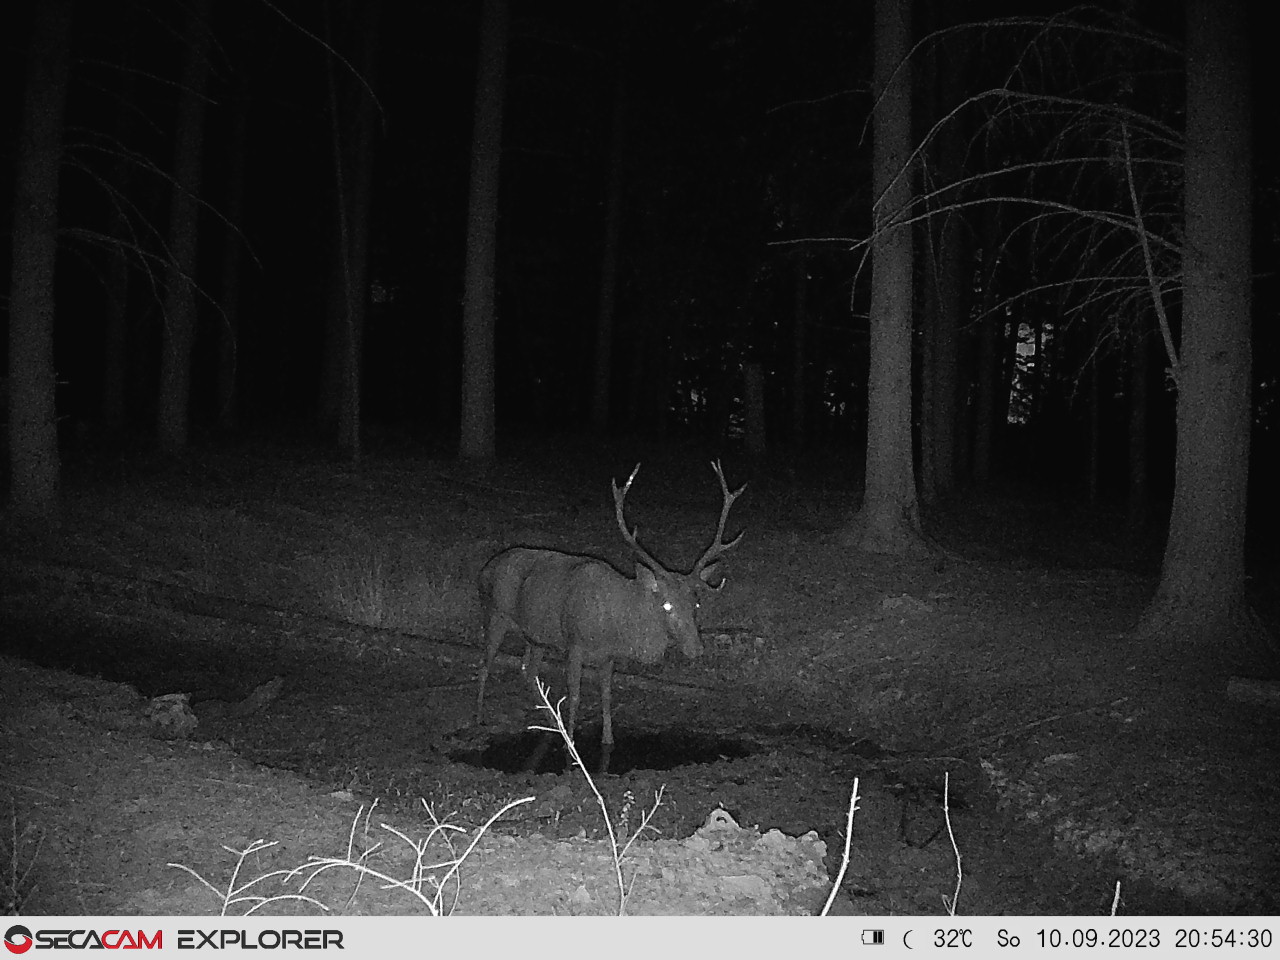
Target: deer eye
[(666, 605)]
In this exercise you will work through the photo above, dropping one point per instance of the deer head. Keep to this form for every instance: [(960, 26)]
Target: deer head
[(677, 593)]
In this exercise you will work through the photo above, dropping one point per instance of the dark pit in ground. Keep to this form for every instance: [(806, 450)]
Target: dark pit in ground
[(536, 751)]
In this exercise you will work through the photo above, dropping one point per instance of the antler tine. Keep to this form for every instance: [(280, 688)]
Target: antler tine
[(718, 547), (630, 535)]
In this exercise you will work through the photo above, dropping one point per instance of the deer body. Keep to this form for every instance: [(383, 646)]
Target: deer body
[(588, 611), (585, 609)]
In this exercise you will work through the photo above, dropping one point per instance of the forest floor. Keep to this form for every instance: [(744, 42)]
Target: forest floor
[(1001, 678)]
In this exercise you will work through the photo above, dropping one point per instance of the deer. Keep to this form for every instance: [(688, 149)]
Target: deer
[(584, 608)]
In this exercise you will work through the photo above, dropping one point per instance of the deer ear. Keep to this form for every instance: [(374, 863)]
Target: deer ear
[(708, 576), (645, 577)]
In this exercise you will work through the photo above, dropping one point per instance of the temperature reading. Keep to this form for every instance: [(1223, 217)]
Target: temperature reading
[(953, 938)]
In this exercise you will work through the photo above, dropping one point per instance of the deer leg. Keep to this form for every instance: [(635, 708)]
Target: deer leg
[(574, 669), (606, 735), (494, 631), (530, 665), (606, 691)]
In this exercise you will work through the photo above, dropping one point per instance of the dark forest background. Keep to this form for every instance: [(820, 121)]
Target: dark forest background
[(277, 194)]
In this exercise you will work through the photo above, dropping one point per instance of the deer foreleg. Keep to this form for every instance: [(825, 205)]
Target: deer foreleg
[(574, 669)]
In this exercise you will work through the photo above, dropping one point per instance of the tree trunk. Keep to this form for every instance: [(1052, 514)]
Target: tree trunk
[(665, 348), (990, 369), (232, 260), (799, 320), (603, 377), (33, 428), (1037, 400), (1139, 506), (331, 386), (889, 519), (1201, 598), (1094, 479), (753, 403), (940, 369), (353, 177), (119, 270), (945, 260), (184, 231), (954, 271), (477, 436)]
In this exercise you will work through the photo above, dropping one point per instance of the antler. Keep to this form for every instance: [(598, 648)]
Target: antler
[(718, 547), (630, 535)]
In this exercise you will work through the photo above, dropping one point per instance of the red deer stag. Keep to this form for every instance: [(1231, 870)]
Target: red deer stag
[(584, 608)]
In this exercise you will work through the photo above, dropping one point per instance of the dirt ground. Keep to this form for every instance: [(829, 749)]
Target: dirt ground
[(1074, 757)]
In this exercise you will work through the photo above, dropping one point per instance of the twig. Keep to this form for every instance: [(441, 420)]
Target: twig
[(848, 841), (318, 865), (946, 814), (618, 855), (14, 889), (234, 895)]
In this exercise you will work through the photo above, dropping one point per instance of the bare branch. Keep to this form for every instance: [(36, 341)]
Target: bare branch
[(1156, 299)]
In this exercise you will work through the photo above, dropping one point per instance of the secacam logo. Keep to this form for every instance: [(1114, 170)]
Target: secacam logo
[(17, 939)]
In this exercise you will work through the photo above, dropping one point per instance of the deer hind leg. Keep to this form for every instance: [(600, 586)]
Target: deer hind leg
[(494, 630), (606, 698), (606, 707)]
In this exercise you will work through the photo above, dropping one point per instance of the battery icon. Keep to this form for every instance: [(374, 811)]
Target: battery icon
[(873, 937)]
